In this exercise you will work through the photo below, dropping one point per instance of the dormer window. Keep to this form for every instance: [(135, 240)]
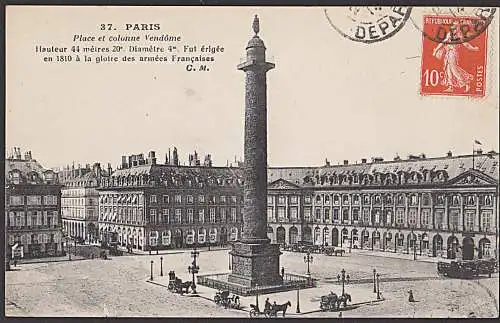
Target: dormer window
[(425, 199), (16, 178)]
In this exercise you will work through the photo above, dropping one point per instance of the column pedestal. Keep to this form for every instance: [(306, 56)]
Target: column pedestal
[(254, 264)]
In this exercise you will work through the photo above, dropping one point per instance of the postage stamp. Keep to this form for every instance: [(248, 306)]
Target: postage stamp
[(453, 56)]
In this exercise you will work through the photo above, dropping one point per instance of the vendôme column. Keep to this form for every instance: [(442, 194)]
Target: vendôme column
[(254, 259)]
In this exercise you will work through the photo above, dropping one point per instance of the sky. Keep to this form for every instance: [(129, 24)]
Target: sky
[(328, 97)]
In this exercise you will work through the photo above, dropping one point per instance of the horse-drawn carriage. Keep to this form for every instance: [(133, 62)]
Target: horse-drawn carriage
[(332, 301), (224, 298), (466, 268), (333, 251), (269, 310), (176, 284)]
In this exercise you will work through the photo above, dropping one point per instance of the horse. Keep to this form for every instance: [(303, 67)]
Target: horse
[(281, 308), (183, 285), (343, 299)]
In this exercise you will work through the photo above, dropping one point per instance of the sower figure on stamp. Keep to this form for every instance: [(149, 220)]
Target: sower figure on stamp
[(454, 75)]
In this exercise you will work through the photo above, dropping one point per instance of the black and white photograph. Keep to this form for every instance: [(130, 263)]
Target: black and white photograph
[(251, 162)]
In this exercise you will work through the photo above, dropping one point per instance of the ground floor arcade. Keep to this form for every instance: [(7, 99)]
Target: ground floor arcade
[(143, 238), (82, 229), (431, 243)]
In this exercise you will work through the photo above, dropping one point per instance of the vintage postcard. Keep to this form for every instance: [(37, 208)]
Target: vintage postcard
[(303, 162)]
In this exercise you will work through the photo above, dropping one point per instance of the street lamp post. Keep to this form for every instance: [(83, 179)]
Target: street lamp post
[(161, 266), (194, 269), (342, 277), (308, 259), (378, 286), (151, 278), (350, 243), (298, 300), (68, 246), (374, 281), (257, 295), (414, 250)]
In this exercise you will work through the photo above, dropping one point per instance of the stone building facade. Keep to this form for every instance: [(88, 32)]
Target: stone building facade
[(32, 208), (445, 207), (158, 206), (80, 202)]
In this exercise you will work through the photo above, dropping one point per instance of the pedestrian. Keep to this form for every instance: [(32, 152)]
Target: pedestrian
[(340, 314), (15, 262), (282, 272), (348, 278), (338, 278), (410, 296)]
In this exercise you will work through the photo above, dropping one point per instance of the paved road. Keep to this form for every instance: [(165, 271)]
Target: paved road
[(118, 287)]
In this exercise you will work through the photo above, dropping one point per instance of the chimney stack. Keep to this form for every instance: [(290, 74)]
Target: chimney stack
[(346, 162), (208, 161), (152, 157), (17, 153), (479, 151), (449, 154), (175, 157), (124, 162), (363, 160), (27, 155), (110, 170), (97, 170)]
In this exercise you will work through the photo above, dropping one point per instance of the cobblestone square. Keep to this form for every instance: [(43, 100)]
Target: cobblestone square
[(119, 287)]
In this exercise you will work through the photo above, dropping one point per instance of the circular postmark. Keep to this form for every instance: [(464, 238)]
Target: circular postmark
[(367, 24), (452, 25)]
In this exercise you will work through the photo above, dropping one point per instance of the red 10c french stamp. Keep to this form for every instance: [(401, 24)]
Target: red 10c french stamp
[(453, 56)]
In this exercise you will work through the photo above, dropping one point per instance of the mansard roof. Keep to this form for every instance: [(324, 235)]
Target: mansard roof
[(422, 171), (176, 176), (412, 171), (22, 171)]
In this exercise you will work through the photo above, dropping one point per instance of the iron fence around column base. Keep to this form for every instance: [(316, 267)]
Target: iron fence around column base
[(290, 282)]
